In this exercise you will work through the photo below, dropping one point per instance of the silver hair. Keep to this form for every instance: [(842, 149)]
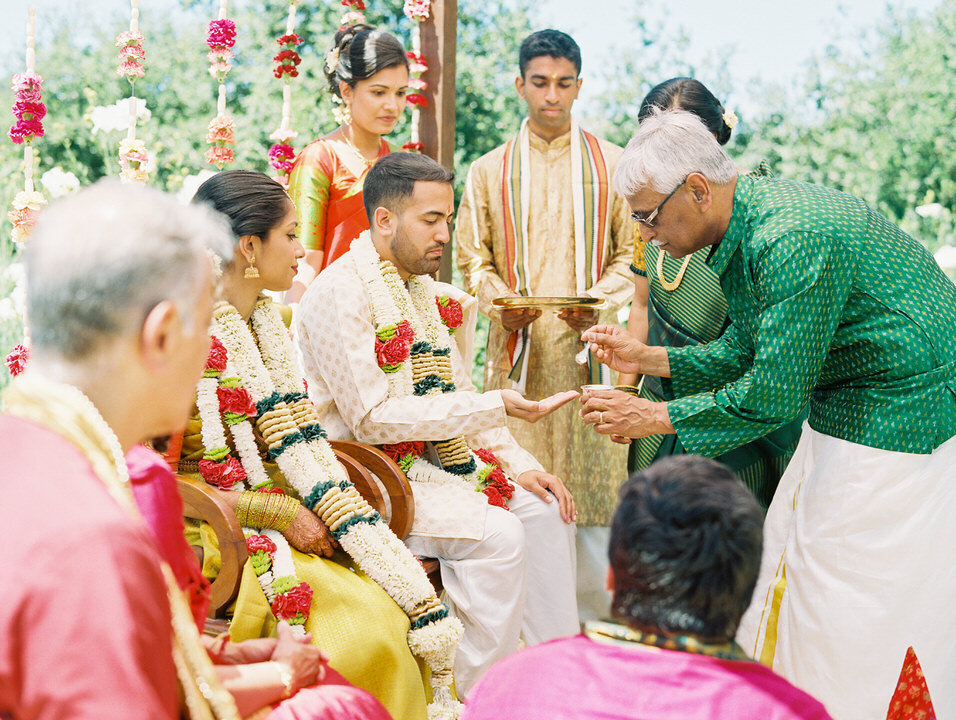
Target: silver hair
[(100, 260), (668, 146)]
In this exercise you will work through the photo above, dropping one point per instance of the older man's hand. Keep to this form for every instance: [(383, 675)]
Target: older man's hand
[(614, 347), (617, 413)]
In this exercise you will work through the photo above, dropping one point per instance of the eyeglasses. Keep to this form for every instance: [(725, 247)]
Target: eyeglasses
[(648, 221)]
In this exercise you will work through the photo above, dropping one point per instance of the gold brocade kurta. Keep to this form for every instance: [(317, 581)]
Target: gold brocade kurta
[(590, 464)]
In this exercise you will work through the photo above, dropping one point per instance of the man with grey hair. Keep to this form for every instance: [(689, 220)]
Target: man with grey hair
[(832, 305), (119, 298)]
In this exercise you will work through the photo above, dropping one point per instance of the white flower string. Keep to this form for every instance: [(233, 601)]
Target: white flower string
[(288, 423), (425, 371)]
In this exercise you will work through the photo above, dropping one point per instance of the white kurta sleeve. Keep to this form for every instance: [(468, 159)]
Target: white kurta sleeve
[(337, 340)]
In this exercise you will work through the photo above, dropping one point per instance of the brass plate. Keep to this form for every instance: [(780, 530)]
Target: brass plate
[(538, 303)]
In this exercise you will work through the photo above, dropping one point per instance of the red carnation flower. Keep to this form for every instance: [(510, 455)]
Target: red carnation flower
[(357, 4), (397, 451), (236, 400), (413, 146), (255, 543), (450, 311), (217, 355), (487, 456), (291, 39), (416, 99), (504, 487), (404, 331), (494, 497), (224, 474), (293, 601), (17, 359), (393, 352)]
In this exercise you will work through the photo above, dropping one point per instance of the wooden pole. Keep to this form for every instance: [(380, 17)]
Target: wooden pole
[(439, 40)]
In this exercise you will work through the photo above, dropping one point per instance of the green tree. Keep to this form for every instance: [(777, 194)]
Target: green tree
[(876, 123)]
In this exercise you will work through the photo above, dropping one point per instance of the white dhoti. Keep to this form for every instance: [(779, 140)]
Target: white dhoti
[(517, 580), (859, 563)]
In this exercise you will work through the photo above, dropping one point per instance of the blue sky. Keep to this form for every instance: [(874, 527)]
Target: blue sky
[(765, 40)]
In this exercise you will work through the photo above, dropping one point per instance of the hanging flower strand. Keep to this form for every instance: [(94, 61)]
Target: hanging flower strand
[(29, 111), (417, 11), (132, 151), (221, 134), (281, 154)]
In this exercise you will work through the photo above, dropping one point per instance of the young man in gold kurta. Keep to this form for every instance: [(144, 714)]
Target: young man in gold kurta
[(539, 217)]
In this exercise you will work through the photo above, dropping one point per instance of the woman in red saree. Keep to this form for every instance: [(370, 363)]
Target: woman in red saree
[(367, 72)]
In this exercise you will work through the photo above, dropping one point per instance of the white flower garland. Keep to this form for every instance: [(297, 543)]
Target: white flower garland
[(391, 303), (270, 374)]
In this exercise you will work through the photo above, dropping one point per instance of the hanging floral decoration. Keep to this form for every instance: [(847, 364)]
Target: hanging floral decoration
[(133, 157), (287, 61), (417, 11), (131, 55), (425, 371), (281, 154), (17, 359), (221, 38), (221, 133), (28, 111), (253, 383)]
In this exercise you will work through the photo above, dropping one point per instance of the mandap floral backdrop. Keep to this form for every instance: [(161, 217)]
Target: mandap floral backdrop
[(173, 90)]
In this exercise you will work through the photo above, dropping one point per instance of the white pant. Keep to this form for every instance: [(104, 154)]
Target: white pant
[(517, 580), (859, 563)]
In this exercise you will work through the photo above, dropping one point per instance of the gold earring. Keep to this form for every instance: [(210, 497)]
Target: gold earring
[(252, 272)]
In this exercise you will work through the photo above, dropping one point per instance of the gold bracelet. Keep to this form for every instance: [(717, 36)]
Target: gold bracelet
[(243, 507), (287, 513), (285, 677)]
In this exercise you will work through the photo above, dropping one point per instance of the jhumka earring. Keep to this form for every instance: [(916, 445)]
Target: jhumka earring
[(252, 272)]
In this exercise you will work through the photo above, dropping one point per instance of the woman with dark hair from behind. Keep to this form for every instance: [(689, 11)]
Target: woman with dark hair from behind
[(367, 73), (680, 302), (347, 614)]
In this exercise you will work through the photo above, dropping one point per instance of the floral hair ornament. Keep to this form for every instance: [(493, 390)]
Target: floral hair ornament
[(332, 59), (730, 119)]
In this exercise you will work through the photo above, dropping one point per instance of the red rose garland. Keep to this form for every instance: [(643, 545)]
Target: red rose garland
[(393, 346)]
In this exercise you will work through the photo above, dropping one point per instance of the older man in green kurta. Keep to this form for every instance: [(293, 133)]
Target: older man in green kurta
[(831, 305)]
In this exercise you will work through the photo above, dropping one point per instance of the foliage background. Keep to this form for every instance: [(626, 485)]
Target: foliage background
[(877, 122)]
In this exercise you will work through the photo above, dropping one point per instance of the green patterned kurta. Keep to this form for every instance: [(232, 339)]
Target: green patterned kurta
[(829, 303)]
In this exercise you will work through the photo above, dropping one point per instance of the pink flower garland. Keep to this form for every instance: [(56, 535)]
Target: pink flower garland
[(221, 134), (281, 156), (220, 37), (417, 10), (28, 108), (131, 55)]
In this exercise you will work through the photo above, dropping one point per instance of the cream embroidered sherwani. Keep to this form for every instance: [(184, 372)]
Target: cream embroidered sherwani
[(591, 465), (506, 574)]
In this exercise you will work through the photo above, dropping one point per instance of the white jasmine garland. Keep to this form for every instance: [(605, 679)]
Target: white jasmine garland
[(270, 369), (391, 303)]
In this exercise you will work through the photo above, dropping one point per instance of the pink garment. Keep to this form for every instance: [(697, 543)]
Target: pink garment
[(583, 679), (84, 621), (156, 495)]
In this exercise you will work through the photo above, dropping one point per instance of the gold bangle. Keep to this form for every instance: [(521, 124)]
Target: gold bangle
[(285, 677), (287, 513), (243, 508)]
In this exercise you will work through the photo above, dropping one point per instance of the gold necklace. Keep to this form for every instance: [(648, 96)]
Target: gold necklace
[(667, 285), (358, 153)]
